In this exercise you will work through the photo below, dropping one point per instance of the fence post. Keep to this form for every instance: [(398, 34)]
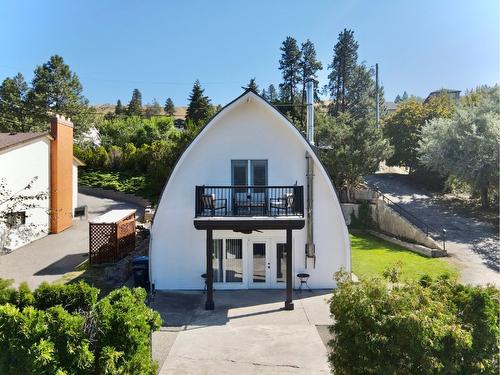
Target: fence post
[(444, 239)]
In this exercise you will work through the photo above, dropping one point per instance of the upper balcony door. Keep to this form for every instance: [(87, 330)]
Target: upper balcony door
[(249, 173)]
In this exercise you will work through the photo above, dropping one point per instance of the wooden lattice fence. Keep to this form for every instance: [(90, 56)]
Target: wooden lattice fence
[(110, 242)]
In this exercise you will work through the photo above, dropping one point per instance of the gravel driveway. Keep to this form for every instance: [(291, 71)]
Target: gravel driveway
[(472, 244), (50, 257)]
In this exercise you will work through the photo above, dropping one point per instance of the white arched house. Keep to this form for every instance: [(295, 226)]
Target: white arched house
[(238, 212)]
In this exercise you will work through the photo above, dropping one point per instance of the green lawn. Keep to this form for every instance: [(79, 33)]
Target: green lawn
[(371, 256)]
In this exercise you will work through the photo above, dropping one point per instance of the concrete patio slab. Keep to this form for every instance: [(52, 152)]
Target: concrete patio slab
[(247, 333)]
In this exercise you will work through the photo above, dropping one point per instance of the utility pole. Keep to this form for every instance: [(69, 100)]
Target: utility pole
[(377, 96)]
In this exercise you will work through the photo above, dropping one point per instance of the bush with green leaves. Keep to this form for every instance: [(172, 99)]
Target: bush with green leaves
[(63, 329), (431, 327), (72, 297)]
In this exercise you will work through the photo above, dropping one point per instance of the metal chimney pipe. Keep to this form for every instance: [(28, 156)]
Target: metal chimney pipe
[(310, 110), (310, 247)]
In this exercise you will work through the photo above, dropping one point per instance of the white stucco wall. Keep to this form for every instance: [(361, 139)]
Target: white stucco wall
[(18, 165), (247, 129)]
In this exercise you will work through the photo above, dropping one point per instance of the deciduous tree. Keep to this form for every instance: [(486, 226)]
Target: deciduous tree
[(467, 144)]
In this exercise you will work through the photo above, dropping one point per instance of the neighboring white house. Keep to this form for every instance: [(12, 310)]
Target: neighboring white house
[(237, 200), (45, 161)]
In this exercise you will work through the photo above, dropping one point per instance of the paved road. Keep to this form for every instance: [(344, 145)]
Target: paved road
[(247, 333), (472, 244), (48, 258)]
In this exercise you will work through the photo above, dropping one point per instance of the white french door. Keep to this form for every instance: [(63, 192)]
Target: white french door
[(259, 264)]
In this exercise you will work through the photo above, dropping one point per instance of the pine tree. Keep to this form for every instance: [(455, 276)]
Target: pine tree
[(169, 107), (199, 108), (56, 89), (289, 65), (405, 96), (272, 93), (13, 110), (309, 67), (263, 93), (398, 99), (342, 67), (135, 106), (119, 110), (252, 85)]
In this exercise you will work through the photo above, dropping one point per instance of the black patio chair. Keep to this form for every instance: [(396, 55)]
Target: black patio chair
[(285, 203), (209, 202)]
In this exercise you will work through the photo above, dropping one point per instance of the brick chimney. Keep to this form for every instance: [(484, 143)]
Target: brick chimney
[(61, 174)]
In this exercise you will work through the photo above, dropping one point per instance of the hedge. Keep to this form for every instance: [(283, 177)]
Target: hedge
[(427, 327), (63, 329)]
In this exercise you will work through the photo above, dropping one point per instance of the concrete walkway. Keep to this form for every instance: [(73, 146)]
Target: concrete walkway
[(50, 257), (472, 245), (247, 333)]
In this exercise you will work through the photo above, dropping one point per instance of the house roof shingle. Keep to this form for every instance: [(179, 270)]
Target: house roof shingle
[(12, 139)]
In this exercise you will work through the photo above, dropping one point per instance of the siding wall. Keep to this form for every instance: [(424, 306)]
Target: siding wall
[(18, 165)]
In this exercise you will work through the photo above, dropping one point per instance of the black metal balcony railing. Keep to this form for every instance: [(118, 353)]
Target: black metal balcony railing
[(249, 201)]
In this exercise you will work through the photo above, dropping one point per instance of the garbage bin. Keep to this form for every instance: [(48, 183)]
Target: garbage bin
[(140, 270)]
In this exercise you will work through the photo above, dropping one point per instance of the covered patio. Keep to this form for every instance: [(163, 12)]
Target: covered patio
[(247, 225)]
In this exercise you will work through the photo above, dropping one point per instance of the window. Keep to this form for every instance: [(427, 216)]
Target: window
[(239, 173), (280, 262), (15, 219), (228, 260), (258, 172)]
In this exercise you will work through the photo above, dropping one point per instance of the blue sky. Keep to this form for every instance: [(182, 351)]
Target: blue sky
[(162, 47)]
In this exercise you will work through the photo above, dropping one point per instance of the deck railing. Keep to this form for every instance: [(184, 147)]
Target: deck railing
[(247, 201)]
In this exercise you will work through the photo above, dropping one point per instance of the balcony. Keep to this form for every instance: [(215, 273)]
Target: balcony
[(249, 201)]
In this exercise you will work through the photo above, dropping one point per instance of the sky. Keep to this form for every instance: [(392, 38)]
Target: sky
[(162, 47)]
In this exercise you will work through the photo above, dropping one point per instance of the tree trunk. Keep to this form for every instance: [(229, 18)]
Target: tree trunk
[(484, 196)]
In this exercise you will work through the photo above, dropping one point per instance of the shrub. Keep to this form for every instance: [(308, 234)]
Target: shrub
[(72, 297), (67, 331), (43, 342), (124, 326), (432, 327)]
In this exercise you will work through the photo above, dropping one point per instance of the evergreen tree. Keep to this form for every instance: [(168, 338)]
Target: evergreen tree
[(405, 96), (342, 67), (199, 108), (263, 93), (289, 65), (153, 109), (309, 67), (169, 107), (13, 111), (119, 110), (398, 99), (135, 105), (252, 85), (272, 93), (56, 89)]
